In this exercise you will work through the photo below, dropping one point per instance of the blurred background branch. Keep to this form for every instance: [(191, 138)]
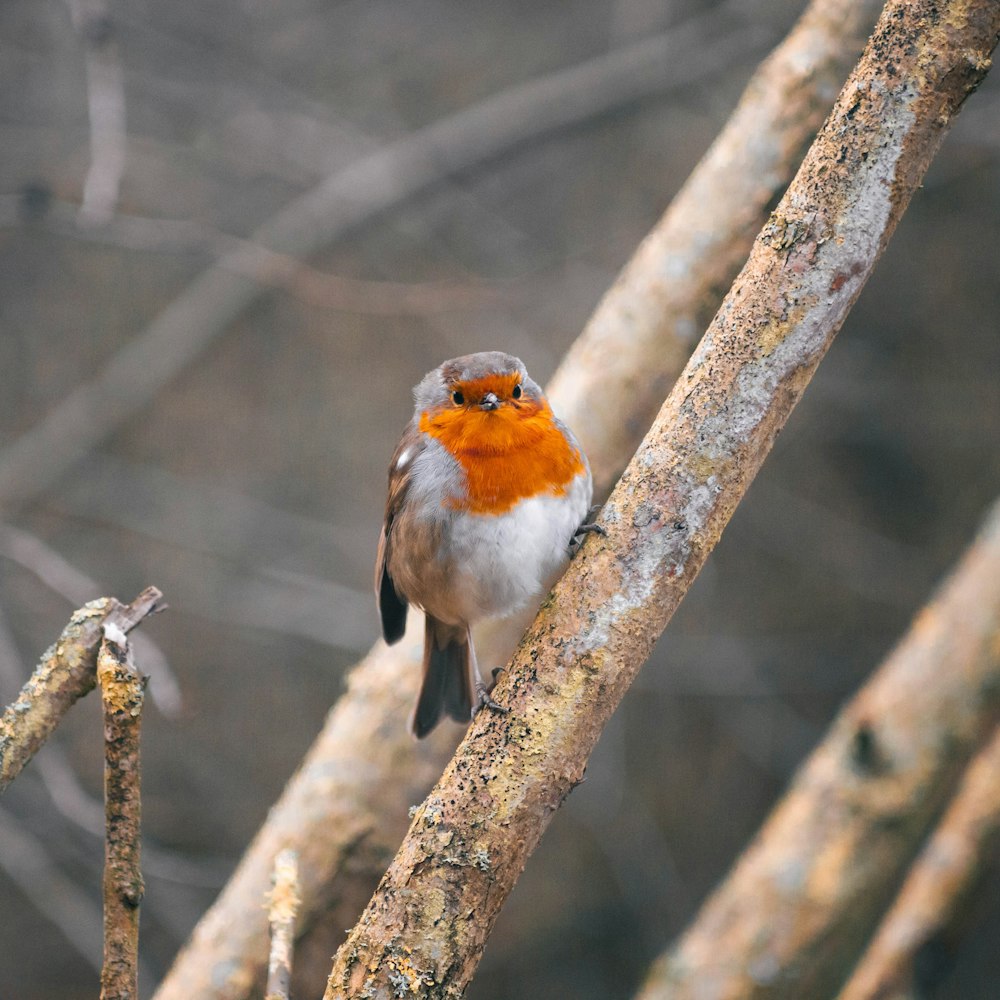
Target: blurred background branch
[(798, 906), (915, 945), (105, 109)]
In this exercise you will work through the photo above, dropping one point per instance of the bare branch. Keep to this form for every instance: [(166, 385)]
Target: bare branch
[(122, 692), (344, 810), (798, 906), (932, 905), (645, 326), (341, 202), (283, 906), (67, 672), (427, 925), (59, 575)]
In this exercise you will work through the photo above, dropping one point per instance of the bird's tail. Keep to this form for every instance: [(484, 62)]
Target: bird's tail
[(448, 684)]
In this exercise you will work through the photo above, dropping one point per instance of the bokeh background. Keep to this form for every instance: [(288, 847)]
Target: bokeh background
[(249, 487)]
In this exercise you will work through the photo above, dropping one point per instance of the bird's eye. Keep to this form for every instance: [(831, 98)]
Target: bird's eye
[(457, 398), (516, 391)]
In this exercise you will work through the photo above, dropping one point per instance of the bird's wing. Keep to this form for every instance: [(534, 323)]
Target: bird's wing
[(391, 604)]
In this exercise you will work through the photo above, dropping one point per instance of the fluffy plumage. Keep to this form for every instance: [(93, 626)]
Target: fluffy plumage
[(486, 490)]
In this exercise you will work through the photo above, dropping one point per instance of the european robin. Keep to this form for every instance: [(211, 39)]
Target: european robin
[(488, 490)]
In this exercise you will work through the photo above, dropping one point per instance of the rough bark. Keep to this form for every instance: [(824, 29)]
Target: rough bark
[(122, 691), (795, 912), (425, 928), (282, 907), (66, 672), (642, 332), (908, 954), (345, 809)]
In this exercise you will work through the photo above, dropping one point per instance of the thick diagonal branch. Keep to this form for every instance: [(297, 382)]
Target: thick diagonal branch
[(66, 672), (345, 809), (427, 925)]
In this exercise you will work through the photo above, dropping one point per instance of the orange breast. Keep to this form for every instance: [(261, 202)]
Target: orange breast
[(508, 454)]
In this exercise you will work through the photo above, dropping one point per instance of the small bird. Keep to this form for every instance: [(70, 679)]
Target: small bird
[(488, 490)]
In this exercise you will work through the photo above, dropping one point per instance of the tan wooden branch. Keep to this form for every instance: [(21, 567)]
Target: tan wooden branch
[(67, 672), (425, 929), (345, 809), (930, 908), (122, 693), (794, 913), (642, 332), (282, 909)]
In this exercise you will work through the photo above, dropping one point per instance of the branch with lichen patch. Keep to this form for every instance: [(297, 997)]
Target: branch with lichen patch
[(122, 692), (66, 673), (512, 772)]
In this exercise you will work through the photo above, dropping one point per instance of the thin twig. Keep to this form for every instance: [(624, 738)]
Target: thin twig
[(345, 808), (430, 918), (283, 906), (122, 691), (341, 202), (59, 575), (931, 911), (67, 672)]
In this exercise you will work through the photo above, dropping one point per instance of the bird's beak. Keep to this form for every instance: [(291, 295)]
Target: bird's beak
[(489, 402)]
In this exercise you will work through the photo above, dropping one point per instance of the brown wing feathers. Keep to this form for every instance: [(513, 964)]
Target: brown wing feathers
[(391, 604)]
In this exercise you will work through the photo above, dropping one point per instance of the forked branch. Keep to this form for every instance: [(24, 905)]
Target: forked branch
[(66, 672)]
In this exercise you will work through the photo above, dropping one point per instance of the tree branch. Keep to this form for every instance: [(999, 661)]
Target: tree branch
[(344, 811), (59, 575), (798, 907), (426, 927), (932, 906), (642, 332), (122, 691), (67, 672)]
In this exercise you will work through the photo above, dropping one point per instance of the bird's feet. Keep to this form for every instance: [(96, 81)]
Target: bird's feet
[(587, 528), (485, 700)]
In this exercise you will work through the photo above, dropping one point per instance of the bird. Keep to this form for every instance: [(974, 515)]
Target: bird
[(488, 496)]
